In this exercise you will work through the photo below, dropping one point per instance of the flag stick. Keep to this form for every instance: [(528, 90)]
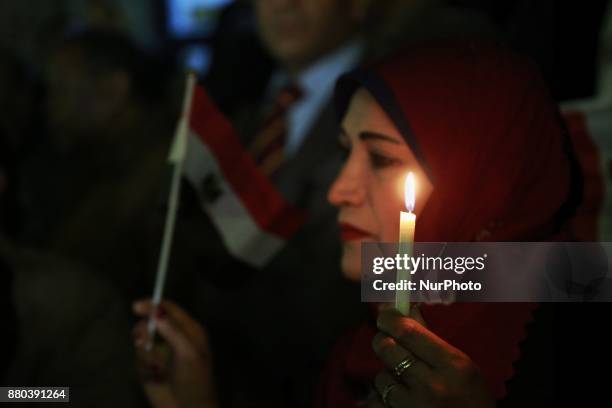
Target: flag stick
[(177, 156)]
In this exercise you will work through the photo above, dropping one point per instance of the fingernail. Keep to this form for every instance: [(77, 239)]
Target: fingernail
[(382, 321)]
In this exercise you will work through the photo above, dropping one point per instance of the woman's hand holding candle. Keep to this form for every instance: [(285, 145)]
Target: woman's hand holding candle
[(177, 372), (436, 373)]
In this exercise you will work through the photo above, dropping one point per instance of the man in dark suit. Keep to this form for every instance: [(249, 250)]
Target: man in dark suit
[(271, 329)]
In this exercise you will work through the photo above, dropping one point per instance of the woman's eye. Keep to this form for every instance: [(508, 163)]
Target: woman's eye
[(380, 161)]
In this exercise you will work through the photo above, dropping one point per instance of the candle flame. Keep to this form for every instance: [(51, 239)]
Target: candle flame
[(409, 194)]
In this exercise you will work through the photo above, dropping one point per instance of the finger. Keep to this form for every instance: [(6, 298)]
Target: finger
[(160, 395), (151, 360), (140, 333), (184, 321), (415, 313), (174, 313), (392, 354), (143, 307), (140, 336), (184, 345), (146, 307), (393, 394), (152, 364), (386, 306), (414, 337), (178, 341)]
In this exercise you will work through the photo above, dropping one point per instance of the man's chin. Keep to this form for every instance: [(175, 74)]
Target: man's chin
[(294, 53)]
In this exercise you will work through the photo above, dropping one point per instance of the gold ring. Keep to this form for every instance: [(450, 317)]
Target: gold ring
[(387, 391), (403, 366)]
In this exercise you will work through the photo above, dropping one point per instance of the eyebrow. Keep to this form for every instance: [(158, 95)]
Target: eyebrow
[(369, 135)]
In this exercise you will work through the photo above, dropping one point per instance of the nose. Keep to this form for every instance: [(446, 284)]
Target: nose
[(347, 189)]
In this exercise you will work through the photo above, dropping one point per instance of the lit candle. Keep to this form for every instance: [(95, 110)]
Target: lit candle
[(406, 240)]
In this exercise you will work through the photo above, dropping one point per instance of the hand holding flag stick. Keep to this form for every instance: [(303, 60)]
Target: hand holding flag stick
[(177, 157)]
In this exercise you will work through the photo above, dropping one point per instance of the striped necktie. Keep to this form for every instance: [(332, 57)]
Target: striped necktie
[(268, 146)]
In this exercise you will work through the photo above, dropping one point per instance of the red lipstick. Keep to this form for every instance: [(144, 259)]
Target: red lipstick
[(349, 232)]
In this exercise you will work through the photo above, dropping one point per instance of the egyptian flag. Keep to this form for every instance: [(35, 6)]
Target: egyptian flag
[(252, 217), (590, 126)]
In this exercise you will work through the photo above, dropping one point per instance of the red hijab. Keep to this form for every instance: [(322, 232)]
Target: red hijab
[(482, 123)]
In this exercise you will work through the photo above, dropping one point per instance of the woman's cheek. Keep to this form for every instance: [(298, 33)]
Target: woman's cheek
[(391, 226), (351, 260), (387, 208)]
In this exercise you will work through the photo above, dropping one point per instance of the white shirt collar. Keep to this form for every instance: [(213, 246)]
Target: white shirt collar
[(322, 74), (317, 83)]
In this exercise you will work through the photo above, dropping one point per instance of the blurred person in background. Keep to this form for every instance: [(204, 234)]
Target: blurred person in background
[(91, 188), (18, 101), (20, 128), (62, 325), (590, 122)]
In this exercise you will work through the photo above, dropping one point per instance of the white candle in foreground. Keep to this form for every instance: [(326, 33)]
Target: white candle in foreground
[(405, 246)]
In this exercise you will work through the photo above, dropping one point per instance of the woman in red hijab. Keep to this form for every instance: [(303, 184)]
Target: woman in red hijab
[(476, 125)]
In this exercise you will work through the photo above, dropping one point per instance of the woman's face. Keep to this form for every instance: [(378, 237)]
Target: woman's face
[(369, 191)]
